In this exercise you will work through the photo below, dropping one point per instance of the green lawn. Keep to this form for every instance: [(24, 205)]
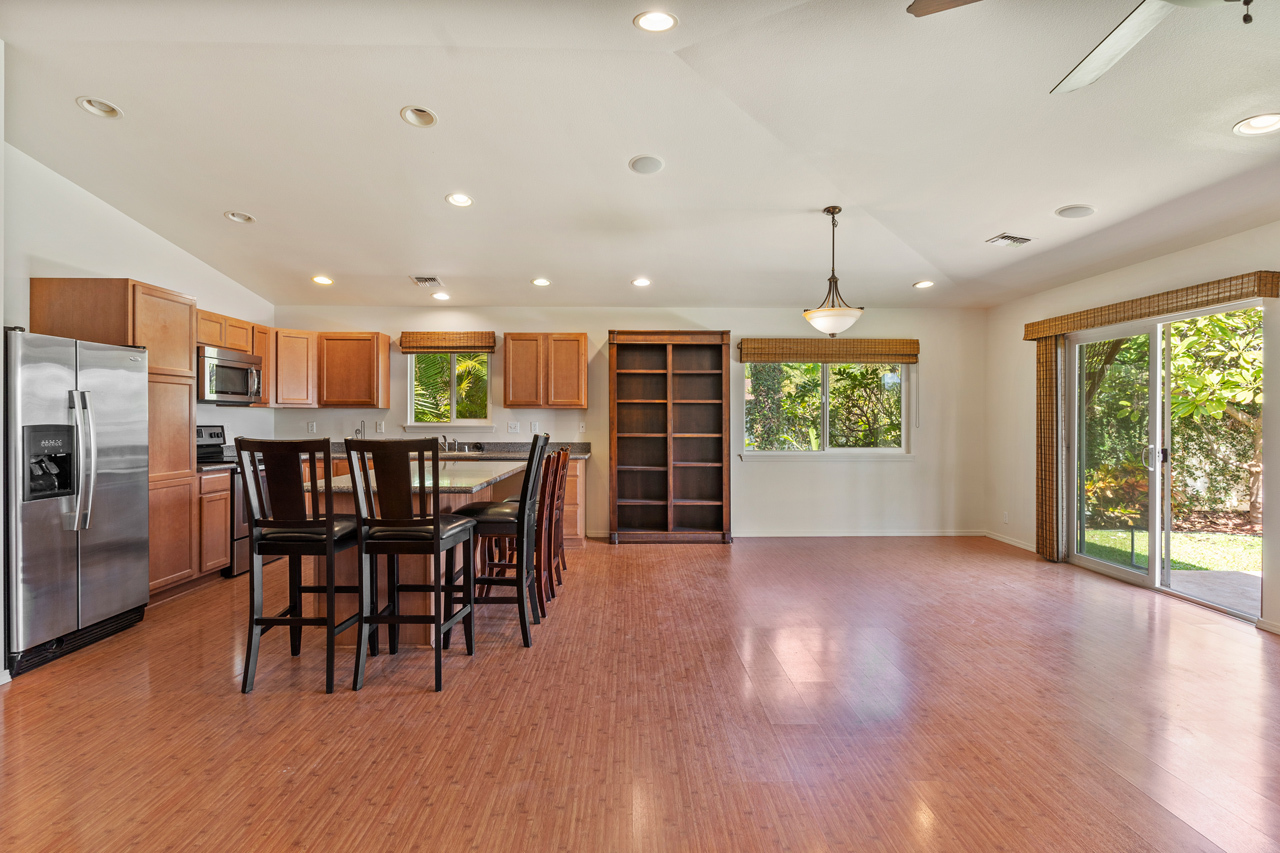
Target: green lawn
[(1223, 552)]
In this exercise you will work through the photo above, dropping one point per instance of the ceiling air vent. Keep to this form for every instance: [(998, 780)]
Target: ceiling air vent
[(427, 281), (1009, 240)]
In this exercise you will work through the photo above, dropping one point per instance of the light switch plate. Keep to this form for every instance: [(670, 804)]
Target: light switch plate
[(311, 426), (513, 426), (533, 427), (380, 426), (582, 427)]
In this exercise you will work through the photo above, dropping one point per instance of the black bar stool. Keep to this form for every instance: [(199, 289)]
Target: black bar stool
[(503, 519), (384, 476), (281, 524)]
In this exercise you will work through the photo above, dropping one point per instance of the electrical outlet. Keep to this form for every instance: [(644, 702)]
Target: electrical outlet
[(533, 427), (513, 426), (380, 426), (1006, 518), (582, 427), (311, 426)]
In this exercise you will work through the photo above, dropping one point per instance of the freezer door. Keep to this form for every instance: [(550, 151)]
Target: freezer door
[(40, 379), (113, 528)]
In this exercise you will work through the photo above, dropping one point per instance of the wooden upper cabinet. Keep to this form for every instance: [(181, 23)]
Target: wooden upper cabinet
[(264, 346), (119, 311), (296, 368), (219, 330), (523, 375), (355, 369), (544, 370), (171, 427)]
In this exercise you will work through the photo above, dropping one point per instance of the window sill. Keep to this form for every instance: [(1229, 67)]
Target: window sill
[(863, 455), (437, 429)]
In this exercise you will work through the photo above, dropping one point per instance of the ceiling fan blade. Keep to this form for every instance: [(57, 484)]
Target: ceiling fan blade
[(920, 8), (1132, 29)]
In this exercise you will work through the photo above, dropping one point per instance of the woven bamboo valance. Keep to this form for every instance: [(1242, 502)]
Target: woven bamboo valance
[(416, 342), (1248, 286), (829, 350)]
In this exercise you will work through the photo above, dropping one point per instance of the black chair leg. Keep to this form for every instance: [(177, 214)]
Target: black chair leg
[(330, 606), (295, 604), (438, 607), (522, 593), (469, 585), (255, 630), (448, 596), (366, 628), (373, 604), (393, 601)]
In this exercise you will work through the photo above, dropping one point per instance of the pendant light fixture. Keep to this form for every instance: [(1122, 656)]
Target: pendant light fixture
[(834, 315)]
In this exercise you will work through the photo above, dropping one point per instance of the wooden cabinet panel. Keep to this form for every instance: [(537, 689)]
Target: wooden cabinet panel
[(215, 530), (575, 514), (211, 329), (171, 427), (165, 323), (217, 481), (566, 382), (355, 369), (264, 346), (237, 335), (523, 371), (296, 368), (174, 532)]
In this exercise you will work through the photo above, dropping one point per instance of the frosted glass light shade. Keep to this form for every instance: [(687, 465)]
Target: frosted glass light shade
[(832, 321)]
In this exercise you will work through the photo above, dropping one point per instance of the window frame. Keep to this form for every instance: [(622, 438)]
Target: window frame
[(825, 450), (485, 422)]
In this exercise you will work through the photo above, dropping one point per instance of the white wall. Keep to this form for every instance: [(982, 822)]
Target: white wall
[(55, 228), (1010, 445), (4, 628), (937, 489)]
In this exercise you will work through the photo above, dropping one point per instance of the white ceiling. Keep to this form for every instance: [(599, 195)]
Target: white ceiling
[(933, 133)]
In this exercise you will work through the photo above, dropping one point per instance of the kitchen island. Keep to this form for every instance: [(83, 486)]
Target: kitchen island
[(461, 482)]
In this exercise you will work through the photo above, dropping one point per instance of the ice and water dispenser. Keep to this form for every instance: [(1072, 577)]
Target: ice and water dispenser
[(50, 471)]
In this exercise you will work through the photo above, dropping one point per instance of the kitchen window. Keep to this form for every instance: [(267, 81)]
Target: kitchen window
[(811, 407), (449, 387)]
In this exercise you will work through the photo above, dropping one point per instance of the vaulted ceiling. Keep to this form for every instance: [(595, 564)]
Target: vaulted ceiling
[(934, 134)]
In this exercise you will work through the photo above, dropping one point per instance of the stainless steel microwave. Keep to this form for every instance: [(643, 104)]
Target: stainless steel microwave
[(227, 376)]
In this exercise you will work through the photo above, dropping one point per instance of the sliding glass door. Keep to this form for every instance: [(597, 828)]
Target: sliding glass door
[(1116, 518), (1164, 441)]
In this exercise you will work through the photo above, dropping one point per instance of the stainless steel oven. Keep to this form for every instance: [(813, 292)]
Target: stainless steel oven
[(227, 376)]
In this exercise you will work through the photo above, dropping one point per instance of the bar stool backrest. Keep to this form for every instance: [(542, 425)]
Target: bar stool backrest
[(272, 472), (395, 466), (529, 491)]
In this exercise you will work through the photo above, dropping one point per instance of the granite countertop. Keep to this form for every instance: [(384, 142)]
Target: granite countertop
[(497, 450), (457, 477)]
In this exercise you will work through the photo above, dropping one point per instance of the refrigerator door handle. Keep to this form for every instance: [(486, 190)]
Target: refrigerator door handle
[(92, 476), (80, 466)]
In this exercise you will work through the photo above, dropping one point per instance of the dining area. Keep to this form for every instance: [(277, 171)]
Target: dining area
[(395, 543)]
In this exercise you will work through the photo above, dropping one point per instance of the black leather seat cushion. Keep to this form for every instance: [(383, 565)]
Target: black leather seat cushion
[(491, 512), (450, 526), (343, 526)]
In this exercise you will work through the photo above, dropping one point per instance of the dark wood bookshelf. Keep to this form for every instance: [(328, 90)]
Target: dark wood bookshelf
[(668, 435)]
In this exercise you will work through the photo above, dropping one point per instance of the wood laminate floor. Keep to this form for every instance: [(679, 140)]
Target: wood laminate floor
[(777, 694)]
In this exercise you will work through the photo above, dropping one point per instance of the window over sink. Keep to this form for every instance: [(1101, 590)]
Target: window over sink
[(449, 388)]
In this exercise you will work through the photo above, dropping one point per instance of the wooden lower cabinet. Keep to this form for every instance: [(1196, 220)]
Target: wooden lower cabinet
[(174, 529), (575, 510), (215, 521)]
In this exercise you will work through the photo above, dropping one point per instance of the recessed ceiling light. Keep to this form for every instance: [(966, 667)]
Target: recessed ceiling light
[(99, 107), (640, 282), (1258, 125), (418, 116), (646, 164), (440, 295), (1075, 211), (322, 279), (542, 282), (237, 216), (921, 285), (655, 22), (458, 199)]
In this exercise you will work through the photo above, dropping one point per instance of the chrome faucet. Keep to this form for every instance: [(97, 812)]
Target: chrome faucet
[(360, 431)]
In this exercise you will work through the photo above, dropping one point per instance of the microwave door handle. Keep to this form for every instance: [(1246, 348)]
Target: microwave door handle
[(255, 382), (92, 475), (80, 472)]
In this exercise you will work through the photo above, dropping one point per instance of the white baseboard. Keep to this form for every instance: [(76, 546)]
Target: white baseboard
[(1272, 627), (1017, 543)]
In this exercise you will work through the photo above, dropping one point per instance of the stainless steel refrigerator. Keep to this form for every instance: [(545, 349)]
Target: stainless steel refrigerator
[(76, 557)]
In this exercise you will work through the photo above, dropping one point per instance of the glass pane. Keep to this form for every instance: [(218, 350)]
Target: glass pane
[(784, 407), (866, 405), (1215, 384), (473, 384), (1112, 435), (431, 388)]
